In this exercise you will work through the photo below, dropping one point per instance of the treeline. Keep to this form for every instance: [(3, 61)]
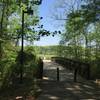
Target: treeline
[(46, 50), (69, 51)]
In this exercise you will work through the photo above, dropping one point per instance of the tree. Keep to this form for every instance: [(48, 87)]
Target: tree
[(6, 9)]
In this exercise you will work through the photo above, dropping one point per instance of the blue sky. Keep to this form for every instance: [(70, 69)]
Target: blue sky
[(45, 11)]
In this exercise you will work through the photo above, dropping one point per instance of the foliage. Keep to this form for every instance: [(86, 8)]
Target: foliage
[(81, 37), (10, 35), (10, 67)]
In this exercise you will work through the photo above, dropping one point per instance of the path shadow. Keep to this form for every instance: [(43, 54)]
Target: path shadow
[(53, 90), (66, 89)]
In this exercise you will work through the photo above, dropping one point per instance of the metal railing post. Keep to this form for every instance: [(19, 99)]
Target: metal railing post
[(57, 74)]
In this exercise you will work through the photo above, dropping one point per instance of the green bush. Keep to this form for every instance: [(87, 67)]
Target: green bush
[(11, 63), (6, 73)]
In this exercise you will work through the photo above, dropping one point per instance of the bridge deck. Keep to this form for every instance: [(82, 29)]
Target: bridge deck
[(65, 89)]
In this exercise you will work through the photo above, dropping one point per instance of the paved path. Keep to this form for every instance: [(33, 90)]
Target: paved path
[(65, 89)]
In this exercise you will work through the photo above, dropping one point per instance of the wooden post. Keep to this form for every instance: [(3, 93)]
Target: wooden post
[(88, 71), (75, 74), (41, 71), (57, 74)]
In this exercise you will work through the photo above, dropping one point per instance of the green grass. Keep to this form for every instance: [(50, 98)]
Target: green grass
[(47, 57)]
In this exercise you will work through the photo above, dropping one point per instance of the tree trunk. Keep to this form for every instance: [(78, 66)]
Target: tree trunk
[(1, 30)]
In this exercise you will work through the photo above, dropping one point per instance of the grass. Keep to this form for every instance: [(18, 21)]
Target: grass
[(47, 57)]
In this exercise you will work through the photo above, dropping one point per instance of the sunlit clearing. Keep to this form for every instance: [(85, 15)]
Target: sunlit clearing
[(45, 78)]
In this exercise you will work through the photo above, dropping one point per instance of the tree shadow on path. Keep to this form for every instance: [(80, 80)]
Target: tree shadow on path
[(66, 89)]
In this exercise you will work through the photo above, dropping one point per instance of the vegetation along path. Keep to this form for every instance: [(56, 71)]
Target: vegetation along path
[(65, 88)]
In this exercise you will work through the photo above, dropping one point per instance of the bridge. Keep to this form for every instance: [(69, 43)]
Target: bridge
[(63, 87)]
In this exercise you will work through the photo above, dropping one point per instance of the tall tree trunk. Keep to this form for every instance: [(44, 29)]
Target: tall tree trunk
[(75, 48), (1, 29), (86, 46)]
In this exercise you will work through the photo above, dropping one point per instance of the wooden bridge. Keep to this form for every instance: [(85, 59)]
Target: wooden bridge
[(65, 88), (79, 67)]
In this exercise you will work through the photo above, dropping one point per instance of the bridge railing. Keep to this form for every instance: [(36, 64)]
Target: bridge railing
[(79, 67)]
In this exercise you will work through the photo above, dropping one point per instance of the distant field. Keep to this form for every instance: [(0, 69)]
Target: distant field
[(47, 57)]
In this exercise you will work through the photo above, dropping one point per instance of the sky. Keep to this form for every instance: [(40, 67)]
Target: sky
[(45, 11)]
